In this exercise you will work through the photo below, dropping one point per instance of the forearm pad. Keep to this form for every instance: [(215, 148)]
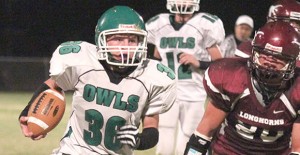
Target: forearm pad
[(42, 88), (147, 139), (197, 145), (204, 64), (294, 153)]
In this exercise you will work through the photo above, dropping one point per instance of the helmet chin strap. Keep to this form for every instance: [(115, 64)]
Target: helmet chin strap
[(126, 70), (265, 95), (119, 69)]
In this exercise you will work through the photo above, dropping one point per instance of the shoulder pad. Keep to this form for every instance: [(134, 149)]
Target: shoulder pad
[(71, 54)]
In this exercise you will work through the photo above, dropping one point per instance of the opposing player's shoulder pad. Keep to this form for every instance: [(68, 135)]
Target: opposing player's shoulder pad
[(72, 53), (228, 74)]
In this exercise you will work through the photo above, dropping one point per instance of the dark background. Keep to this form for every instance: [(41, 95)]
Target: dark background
[(34, 28)]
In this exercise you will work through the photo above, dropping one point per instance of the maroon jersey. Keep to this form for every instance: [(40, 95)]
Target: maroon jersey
[(246, 47), (251, 127)]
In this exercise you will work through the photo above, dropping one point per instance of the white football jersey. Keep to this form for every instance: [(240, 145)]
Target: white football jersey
[(99, 106), (202, 31)]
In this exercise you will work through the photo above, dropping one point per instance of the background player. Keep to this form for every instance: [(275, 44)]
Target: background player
[(115, 87), (242, 32), (261, 108), (187, 42), (288, 11), (283, 10)]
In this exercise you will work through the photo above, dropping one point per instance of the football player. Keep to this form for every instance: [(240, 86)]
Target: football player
[(242, 35), (288, 11), (186, 42), (115, 88), (284, 10), (258, 98)]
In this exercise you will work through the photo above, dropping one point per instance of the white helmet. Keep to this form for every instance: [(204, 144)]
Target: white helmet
[(183, 6)]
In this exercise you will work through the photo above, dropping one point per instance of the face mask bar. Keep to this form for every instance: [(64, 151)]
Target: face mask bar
[(130, 55), (271, 77), (183, 6)]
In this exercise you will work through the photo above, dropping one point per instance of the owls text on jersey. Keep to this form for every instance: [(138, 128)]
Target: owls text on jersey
[(148, 90), (201, 31)]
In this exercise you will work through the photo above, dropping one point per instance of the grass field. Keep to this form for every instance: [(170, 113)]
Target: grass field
[(12, 141)]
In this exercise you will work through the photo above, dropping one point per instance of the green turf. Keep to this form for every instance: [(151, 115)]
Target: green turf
[(12, 141)]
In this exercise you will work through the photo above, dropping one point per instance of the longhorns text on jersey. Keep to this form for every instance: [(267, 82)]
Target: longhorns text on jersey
[(261, 108)]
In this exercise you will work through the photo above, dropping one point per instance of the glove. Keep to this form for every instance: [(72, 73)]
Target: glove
[(197, 145), (128, 135)]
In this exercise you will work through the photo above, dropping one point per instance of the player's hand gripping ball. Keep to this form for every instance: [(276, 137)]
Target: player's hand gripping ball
[(46, 112)]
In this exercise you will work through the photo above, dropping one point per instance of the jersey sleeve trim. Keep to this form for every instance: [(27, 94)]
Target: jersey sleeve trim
[(288, 104), (245, 93), (213, 88), (239, 53)]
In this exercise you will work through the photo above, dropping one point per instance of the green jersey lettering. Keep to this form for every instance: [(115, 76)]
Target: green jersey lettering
[(106, 97), (177, 42), (119, 104), (89, 92), (133, 102), (70, 47)]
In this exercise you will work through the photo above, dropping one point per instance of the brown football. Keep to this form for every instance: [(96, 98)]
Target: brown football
[(46, 112)]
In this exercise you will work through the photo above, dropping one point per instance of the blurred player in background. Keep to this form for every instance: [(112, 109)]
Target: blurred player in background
[(115, 87), (242, 32), (288, 11), (258, 98), (186, 42), (283, 10)]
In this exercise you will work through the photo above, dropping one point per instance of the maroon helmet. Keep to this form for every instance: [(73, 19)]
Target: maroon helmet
[(285, 10), (281, 41)]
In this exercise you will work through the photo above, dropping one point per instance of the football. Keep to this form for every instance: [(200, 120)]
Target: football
[(46, 111)]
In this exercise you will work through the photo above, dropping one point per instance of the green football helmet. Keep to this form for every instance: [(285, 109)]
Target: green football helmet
[(121, 20)]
